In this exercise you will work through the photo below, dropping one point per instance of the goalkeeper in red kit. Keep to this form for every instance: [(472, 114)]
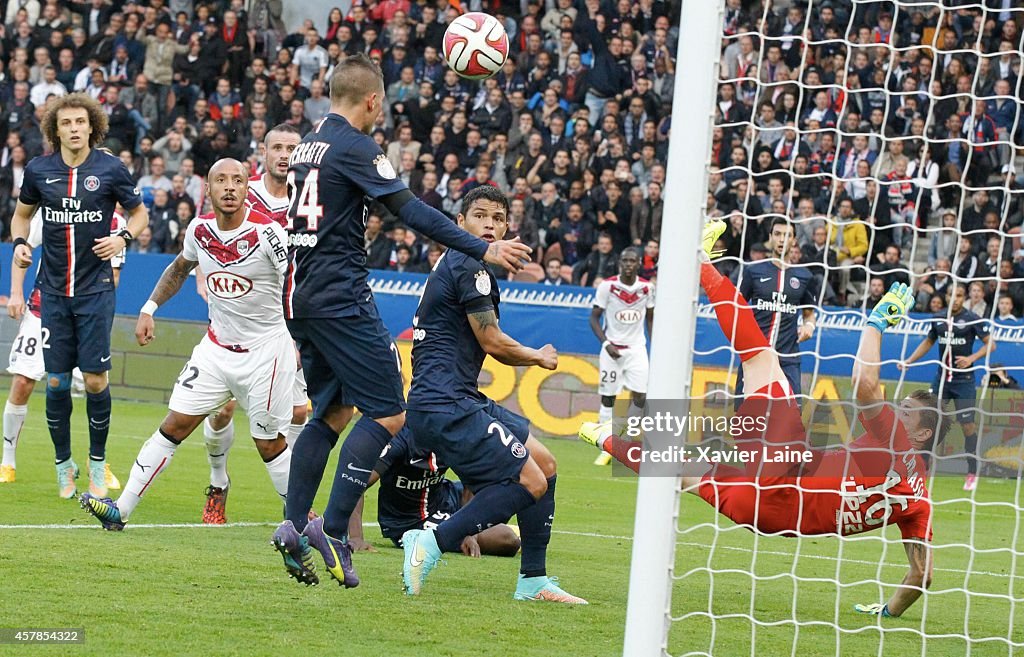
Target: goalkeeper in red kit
[(876, 480)]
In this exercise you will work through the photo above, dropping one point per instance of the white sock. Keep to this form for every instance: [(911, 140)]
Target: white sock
[(153, 458), (293, 433), (605, 413), (14, 418), (218, 443), (278, 470)]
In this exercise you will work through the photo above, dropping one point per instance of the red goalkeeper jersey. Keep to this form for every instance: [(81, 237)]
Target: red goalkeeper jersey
[(874, 481)]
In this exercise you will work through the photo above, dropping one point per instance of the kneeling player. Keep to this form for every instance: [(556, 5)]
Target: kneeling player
[(626, 303), (416, 494), (246, 353), (25, 362), (490, 448), (878, 479)]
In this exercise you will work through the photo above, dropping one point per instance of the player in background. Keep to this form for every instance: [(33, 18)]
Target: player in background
[(956, 332), (876, 480), (246, 353), (77, 188), (489, 447), (267, 195), (415, 494), (779, 294), (626, 303), (25, 363), (347, 354)]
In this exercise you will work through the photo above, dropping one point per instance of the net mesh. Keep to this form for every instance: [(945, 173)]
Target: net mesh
[(871, 125)]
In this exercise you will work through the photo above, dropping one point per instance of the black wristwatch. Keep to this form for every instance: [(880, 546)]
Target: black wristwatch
[(126, 235), (18, 241)]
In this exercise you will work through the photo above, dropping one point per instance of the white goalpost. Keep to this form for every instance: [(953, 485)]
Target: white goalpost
[(701, 585), (650, 577)]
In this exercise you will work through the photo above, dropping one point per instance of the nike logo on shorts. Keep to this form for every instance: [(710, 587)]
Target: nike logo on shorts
[(103, 360), (352, 467)]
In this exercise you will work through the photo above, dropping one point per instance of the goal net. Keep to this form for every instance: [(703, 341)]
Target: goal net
[(891, 136)]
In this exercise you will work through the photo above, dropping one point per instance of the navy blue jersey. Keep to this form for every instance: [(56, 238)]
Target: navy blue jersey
[(955, 336), (446, 357), (410, 483), (778, 298), (77, 206), (332, 173)]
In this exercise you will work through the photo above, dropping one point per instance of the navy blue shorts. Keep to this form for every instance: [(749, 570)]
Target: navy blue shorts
[(449, 500), (76, 331), (964, 395), (350, 361), (481, 441), (790, 367)]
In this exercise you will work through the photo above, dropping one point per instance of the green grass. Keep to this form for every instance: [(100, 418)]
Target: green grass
[(222, 591)]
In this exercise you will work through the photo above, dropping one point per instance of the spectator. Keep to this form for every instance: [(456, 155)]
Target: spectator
[(46, 87), (965, 263), (649, 262), (163, 221), (645, 223), (156, 180), (1004, 309), (173, 148), (574, 236), (158, 66), (975, 301), (317, 105), (553, 273), (143, 242), (378, 247), (311, 58), (944, 242), (598, 265), (890, 269)]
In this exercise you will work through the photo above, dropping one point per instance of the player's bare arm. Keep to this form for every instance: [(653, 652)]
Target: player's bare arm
[(503, 348), (649, 323), (16, 300), (169, 284), (921, 350), (596, 313), (806, 330), (21, 223), (108, 247)]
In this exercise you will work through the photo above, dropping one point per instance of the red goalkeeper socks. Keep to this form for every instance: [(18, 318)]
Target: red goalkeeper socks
[(626, 452), (734, 315)]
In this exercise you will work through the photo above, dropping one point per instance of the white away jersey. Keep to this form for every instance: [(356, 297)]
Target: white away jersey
[(244, 273), (262, 201), (625, 309)]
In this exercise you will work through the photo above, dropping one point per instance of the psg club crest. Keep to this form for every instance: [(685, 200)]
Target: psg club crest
[(92, 183), (794, 282), (518, 450), (384, 167), (483, 283)]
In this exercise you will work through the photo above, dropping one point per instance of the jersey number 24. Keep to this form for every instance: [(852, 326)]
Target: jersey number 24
[(307, 201)]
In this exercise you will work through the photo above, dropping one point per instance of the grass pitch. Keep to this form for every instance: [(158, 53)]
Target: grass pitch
[(193, 590)]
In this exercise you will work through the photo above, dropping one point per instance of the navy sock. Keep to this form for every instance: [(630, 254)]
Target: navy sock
[(359, 453), (58, 419), (490, 506), (97, 407), (535, 528), (309, 459), (971, 448)]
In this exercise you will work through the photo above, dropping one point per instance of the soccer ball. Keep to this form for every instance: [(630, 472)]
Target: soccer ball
[(475, 45)]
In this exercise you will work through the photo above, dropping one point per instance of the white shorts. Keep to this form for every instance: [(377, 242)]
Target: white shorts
[(262, 380), (299, 397), (26, 356), (629, 371)]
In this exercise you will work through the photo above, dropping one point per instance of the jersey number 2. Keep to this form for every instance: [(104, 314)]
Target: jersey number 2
[(307, 201)]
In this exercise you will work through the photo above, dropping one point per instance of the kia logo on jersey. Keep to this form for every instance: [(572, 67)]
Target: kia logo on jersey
[(628, 316), (225, 285)]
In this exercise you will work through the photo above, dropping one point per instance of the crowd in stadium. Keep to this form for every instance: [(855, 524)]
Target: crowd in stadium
[(897, 152), (574, 128)]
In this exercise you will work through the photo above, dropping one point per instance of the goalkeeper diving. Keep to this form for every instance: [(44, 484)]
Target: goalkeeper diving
[(876, 480)]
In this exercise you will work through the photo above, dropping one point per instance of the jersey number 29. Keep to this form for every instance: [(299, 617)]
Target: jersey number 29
[(307, 201)]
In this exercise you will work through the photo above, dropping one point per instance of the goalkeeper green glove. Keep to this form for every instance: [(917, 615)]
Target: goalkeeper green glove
[(877, 609), (892, 307)]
